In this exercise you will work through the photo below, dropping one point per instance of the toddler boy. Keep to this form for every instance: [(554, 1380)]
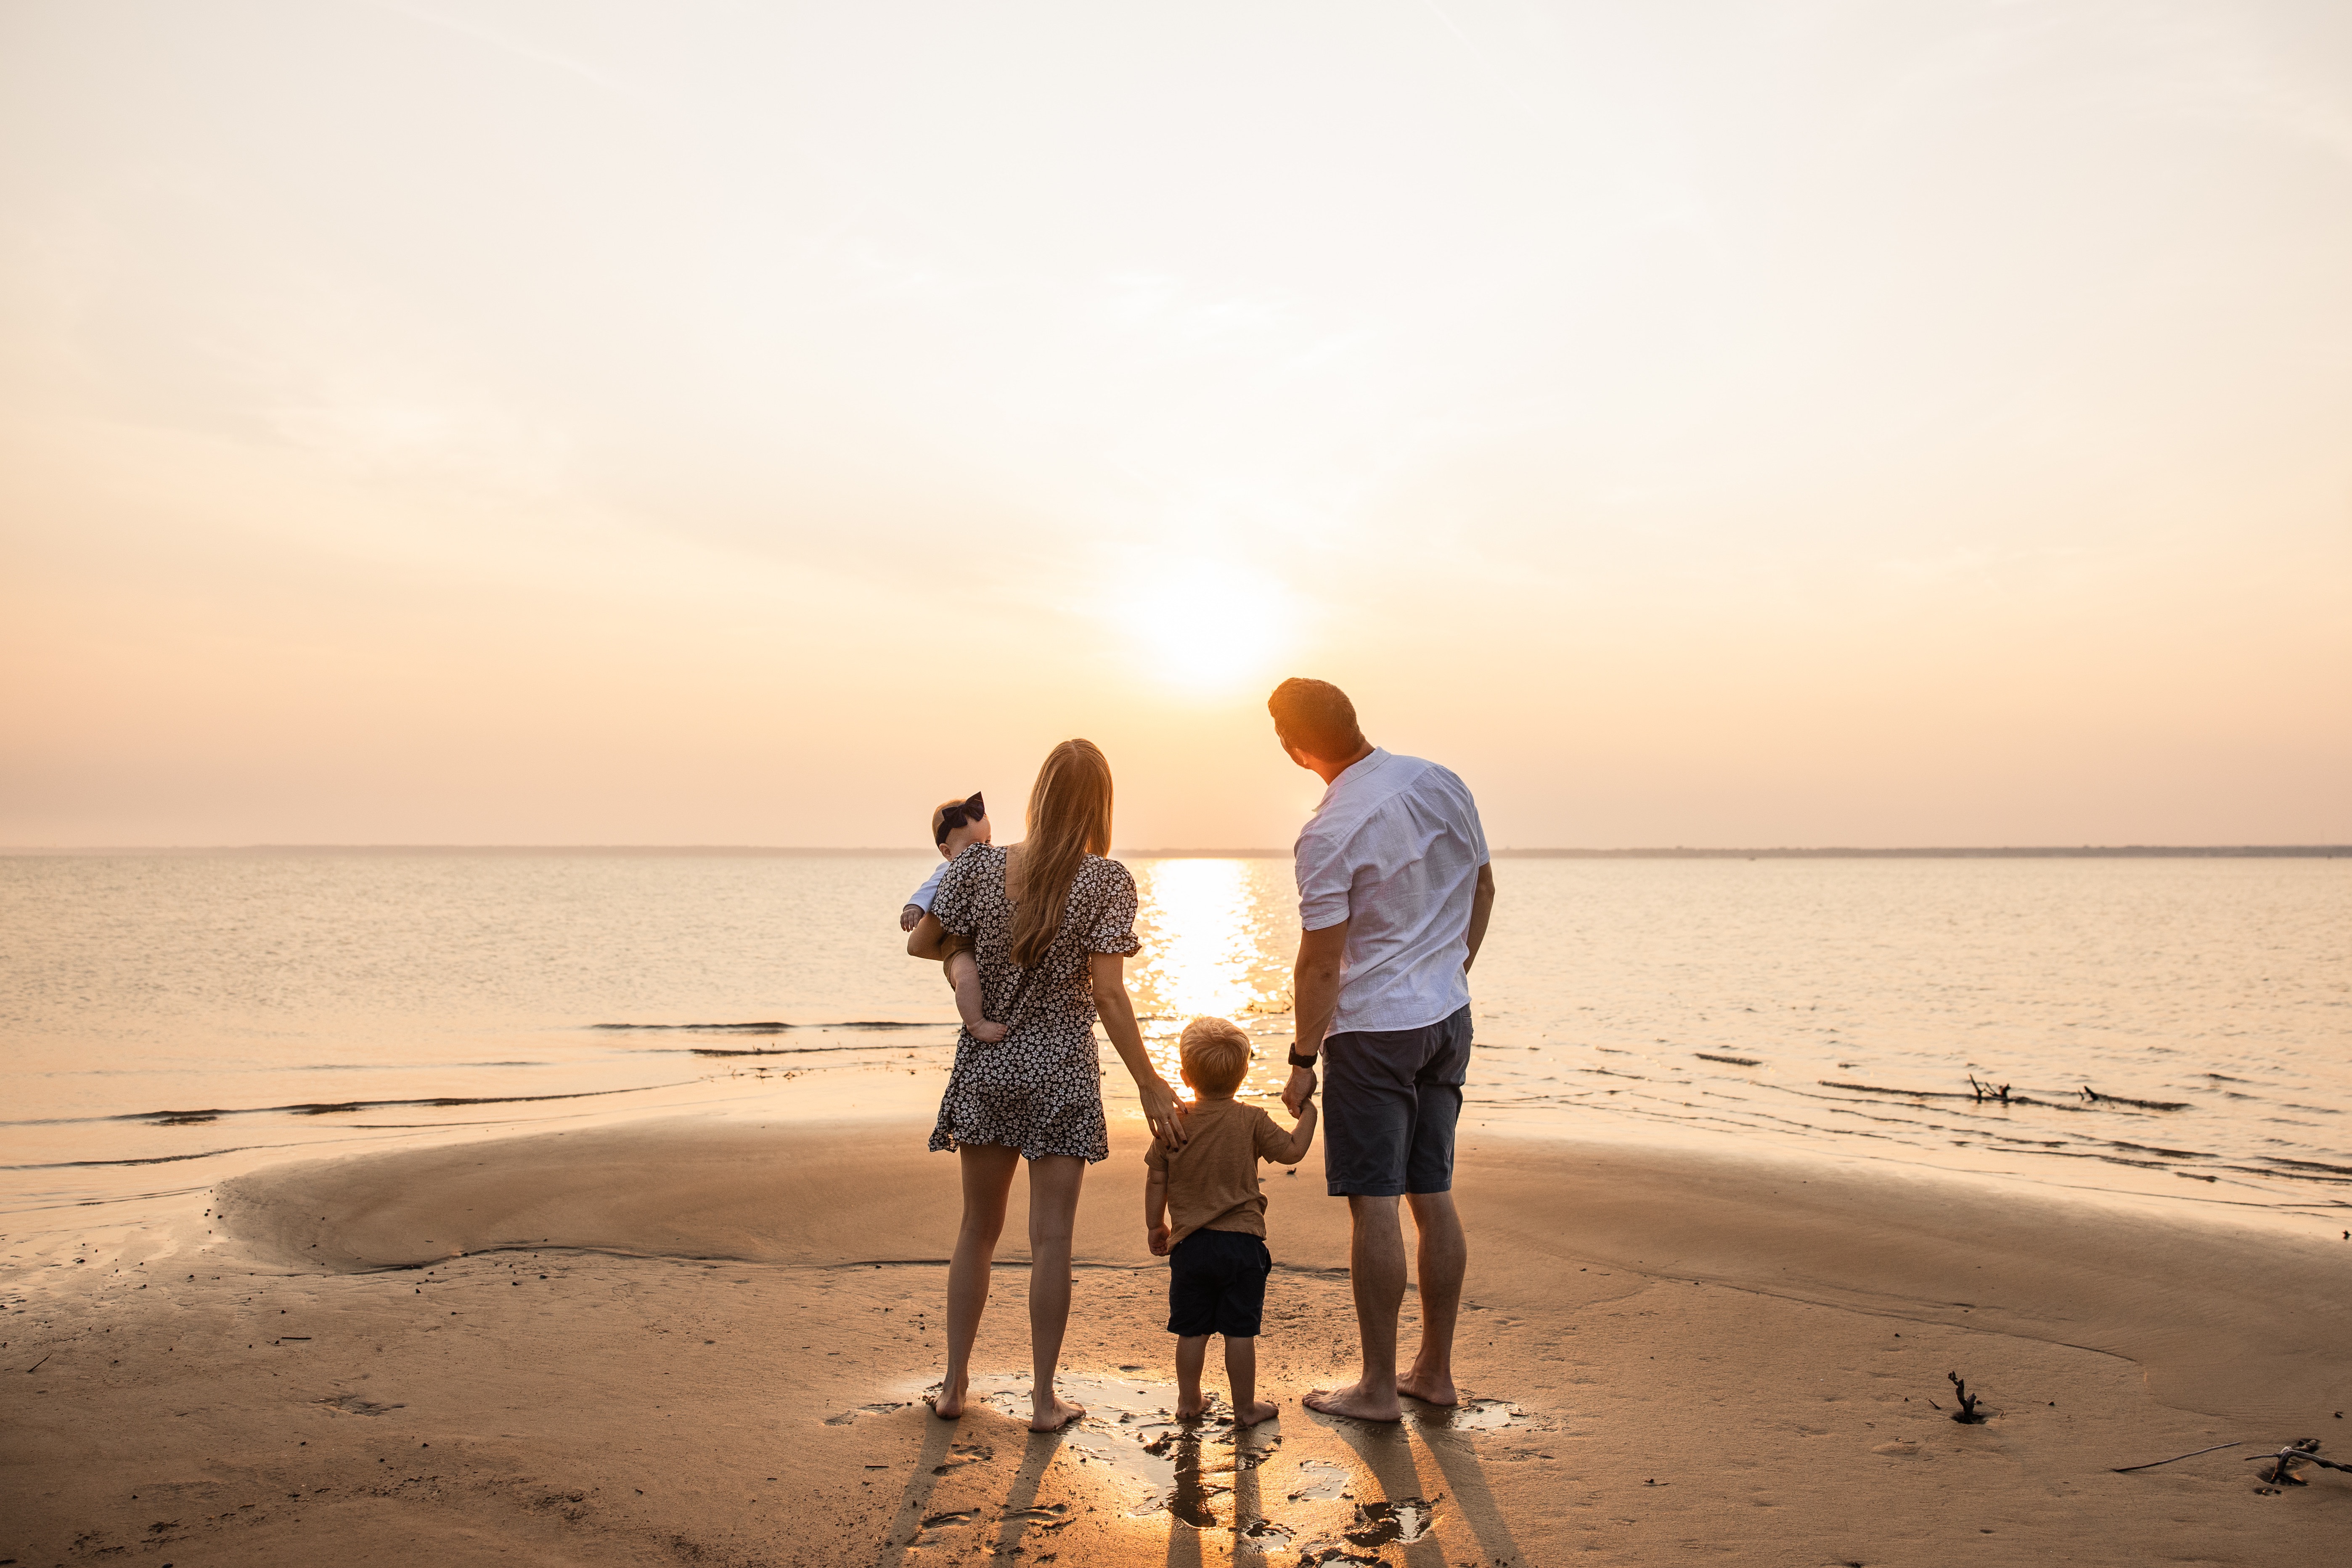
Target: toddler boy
[(956, 824), (1205, 1213)]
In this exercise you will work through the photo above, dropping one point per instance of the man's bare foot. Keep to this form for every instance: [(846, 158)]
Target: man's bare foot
[(1429, 1390), (1262, 1410), (1354, 1403), (985, 1032), (948, 1403), (1055, 1416)]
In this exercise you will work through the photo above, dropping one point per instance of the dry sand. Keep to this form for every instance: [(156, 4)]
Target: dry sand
[(704, 1341)]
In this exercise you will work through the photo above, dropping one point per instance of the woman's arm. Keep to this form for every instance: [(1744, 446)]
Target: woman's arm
[(1160, 1106), (928, 934)]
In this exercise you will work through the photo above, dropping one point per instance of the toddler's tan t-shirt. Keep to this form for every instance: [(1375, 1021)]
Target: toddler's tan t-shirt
[(1213, 1179)]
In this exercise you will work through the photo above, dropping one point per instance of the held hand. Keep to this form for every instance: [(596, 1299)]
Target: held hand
[(911, 917), (1163, 1110), (1157, 1239), (1298, 1090)]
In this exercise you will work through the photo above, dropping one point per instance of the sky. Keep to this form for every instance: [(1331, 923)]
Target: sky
[(1708, 423)]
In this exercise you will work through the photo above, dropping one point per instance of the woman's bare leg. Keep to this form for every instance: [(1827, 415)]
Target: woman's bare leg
[(1053, 1183), (987, 1181)]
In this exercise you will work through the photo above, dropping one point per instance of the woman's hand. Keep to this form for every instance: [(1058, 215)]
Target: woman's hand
[(1160, 1107)]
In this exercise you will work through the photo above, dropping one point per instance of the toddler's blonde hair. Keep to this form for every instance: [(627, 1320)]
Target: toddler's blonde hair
[(1216, 1055)]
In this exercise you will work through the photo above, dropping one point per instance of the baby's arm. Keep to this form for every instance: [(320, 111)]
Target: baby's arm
[(1302, 1137), (911, 917), (1155, 1212), (963, 974)]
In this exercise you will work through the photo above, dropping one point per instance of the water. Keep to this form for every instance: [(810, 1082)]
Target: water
[(166, 1018)]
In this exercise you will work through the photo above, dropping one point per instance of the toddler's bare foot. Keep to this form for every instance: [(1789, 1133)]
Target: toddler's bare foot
[(1192, 1409), (986, 1033), (1429, 1389), (1053, 1417), (1261, 1410), (948, 1402), (1354, 1403)]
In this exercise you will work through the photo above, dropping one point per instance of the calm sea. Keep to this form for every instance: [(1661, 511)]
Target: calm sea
[(2167, 1028)]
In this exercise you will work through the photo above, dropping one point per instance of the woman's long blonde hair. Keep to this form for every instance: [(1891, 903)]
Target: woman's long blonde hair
[(1069, 818)]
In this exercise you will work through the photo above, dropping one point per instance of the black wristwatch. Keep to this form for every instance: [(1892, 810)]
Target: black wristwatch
[(1298, 1061)]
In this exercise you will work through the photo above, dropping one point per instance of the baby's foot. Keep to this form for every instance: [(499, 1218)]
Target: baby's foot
[(1052, 1414), (1254, 1412), (986, 1033)]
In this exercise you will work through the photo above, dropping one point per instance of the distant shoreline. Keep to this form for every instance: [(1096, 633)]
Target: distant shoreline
[(2002, 852)]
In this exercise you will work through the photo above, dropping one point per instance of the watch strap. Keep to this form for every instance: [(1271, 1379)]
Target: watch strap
[(1298, 1061)]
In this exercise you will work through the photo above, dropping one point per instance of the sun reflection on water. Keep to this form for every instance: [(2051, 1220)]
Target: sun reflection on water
[(1217, 938)]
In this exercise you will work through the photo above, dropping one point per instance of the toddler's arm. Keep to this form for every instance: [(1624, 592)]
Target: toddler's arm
[(911, 917), (1155, 1212), (1302, 1137)]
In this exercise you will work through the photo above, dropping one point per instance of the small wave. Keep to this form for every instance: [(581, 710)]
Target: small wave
[(186, 1117)]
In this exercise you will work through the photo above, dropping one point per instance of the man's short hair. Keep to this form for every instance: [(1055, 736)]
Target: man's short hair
[(1216, 1055), (1314, 717)]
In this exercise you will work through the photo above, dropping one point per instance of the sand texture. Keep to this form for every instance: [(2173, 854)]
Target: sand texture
[(704, 1341)]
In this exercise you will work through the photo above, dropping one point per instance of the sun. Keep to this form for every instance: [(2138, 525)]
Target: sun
[(1205, 628)]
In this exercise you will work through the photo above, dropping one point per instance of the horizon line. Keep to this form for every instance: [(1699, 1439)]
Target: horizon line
[(1676, 852)]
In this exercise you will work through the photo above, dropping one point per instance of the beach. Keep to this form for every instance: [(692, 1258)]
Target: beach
[(694, 1339)]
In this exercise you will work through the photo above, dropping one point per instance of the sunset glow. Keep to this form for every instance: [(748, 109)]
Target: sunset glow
[(1752, 424)]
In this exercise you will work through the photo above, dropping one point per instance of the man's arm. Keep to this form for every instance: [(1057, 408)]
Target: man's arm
[(1313, 997), (1482, 904)]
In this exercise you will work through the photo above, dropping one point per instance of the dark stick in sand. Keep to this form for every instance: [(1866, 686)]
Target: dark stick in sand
[(2127, 1470)]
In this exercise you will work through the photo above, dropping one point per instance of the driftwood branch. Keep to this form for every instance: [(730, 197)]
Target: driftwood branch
[(2304, 1451), (2127, 1470), (1967, 1414)]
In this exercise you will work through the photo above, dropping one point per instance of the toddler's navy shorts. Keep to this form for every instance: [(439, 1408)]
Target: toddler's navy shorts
[(1216, 1284)]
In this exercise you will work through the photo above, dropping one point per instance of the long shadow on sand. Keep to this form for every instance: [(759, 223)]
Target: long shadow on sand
[(1406, 1513)]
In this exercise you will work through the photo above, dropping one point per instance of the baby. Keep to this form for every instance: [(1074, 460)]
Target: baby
[(954, 825), (1217, 1260)]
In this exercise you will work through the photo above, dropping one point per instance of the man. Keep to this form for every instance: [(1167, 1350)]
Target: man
[(1394, 888)]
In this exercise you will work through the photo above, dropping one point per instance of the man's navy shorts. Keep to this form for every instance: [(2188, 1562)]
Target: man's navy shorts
[(1391, 1099), (1216, 1284)]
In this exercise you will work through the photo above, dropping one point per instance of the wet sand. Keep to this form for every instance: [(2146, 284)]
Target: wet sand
[(706, 1341)]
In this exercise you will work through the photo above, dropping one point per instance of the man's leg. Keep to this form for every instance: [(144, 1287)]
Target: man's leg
[(1375, 1269), (1443, 1256)]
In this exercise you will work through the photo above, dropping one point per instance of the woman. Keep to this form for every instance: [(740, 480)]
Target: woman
[(1052, 923)]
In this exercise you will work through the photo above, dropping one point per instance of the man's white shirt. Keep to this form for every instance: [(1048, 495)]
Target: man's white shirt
[(1394, 850)]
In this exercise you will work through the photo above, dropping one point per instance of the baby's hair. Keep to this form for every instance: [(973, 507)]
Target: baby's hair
[(1216, 1055)]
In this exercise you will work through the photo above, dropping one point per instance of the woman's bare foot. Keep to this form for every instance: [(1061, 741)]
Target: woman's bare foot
[(948, 1403), (1052, 1418), (986, 1033), (1354, 1403), (1257, 1410), (1429, 1390)]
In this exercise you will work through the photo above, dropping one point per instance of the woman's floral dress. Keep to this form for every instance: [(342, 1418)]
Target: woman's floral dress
[(1039, 1089)]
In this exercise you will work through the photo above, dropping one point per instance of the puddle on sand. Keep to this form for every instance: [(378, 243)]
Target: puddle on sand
[(1319, 1481), (1403, 1521), (1470, 1415), (1182, 1468)]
